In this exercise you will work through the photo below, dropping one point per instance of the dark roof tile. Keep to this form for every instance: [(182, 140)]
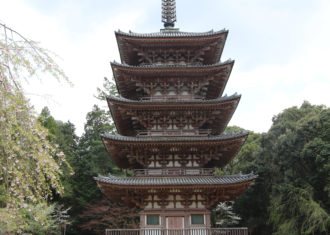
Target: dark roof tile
[(175, 139), (170, 34), (154, 66), (183, 180), (193, 101)]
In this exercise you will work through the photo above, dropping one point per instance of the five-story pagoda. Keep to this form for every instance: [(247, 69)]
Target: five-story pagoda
[(171, 118)]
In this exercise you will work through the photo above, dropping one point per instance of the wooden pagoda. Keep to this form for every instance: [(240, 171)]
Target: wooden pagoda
[(170, 119)]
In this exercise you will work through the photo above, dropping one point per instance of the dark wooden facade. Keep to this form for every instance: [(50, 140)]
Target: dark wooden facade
[(202, 82), (171, 118), (174, 152), (165, 115), (182, 48)]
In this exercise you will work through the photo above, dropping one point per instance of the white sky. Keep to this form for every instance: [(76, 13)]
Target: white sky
[(281, 49)]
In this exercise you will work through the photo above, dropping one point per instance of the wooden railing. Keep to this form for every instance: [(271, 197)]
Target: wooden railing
[(171, 97), (180, 132), (174, 171), (193, 231)]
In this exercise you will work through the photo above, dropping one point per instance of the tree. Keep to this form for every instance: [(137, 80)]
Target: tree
[(30, 164), (63, 135), (223, 215), (300, 195), (293, 210), (39, 218), (91, 211), (109, 88), (105, 214), (92, 160), (250, 207), (291, 193)]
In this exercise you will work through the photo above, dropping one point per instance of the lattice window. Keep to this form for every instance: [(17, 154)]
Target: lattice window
[(197, 219), (152, 219)]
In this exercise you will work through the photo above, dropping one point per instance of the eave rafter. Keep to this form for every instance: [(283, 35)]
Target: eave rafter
[(131, 116), (132, 81), (208, 194), (203, 48), (132, 152)]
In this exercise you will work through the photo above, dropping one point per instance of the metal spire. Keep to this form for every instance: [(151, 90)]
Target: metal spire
[(168, 13)]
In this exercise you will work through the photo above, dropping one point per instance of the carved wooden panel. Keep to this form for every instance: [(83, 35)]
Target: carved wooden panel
[(170, 56), (174, 119)]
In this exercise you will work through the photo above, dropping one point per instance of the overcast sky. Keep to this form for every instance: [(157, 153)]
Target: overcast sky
[(281, 49)]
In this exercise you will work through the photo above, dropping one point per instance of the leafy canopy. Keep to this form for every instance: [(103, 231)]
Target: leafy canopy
[(30, 165)]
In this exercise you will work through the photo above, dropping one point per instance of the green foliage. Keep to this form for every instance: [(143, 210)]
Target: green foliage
[(88, 157), (105, 214), (31, 219), (223, 215), (30, 172), (244, 161), (22, 58), (291, 194), (63, 135), (294, 211), (109, 88), (41, 219), (92, 159), (11, 219), (30, 164)]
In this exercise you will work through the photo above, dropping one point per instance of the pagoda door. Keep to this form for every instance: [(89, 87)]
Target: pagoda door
[(175, 225)]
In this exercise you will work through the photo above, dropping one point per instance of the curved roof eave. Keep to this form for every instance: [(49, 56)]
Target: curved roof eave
[(220, 100), (179, 181), (176, 34), (116, 64), (217, 138)]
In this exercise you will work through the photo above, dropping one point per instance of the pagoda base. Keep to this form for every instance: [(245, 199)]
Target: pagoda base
[(175, 218)]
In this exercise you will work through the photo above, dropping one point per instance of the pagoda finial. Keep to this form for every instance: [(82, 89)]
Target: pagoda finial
[(168, 13)]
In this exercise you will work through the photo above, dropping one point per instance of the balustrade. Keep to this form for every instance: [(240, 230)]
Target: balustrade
[(174, 171), (192, 231), (171, 97), (179, 132)]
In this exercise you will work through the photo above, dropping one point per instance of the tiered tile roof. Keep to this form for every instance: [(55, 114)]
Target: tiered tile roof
[(170, 181)]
